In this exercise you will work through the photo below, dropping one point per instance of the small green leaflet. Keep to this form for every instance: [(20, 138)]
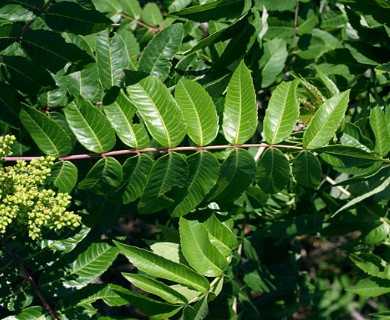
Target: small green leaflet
[(203, 174), (155, 287), (90, 126), (63, 176), (157, 108), (307, 169), (156, 57), (199, 111), (121, 113), (282, 112), (273, 171), (236, 174), (111, 58), (136, 171), (371, 287), (326, 121), (168, 172), (158, 266), (379, 127), (240, 112), (105, 176), (200, 253), (46, 133)]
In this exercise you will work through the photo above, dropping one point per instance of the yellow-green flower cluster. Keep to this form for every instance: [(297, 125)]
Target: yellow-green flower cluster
[(25, 205)]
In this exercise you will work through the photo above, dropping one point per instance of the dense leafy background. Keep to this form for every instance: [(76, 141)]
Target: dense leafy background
[(229, 158)]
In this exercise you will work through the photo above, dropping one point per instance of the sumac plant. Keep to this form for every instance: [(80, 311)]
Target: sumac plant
[(194, 159)]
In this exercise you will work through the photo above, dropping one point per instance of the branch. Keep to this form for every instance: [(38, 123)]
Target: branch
[(154, 30), (39, 12), (158, 150), (293, 42), (26, 275)]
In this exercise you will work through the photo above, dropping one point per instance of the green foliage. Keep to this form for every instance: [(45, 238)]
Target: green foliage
[(245, 142)]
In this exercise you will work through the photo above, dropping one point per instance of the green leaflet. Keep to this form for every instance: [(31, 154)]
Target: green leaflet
[(378, 187), (199, 252), (85, 83), (154, 308), (371, 287), (214, 10), (203, 174), (156, 57), (86, 267), (168, 172), (220, 235), (307, 169), (111, 58), (273, 61), (342, 156), (63, 176), (90, 126), (221, 35), (158, 266), (282, 112), (120, 113), (51, 51), (372, 264), (236, 174), (156, 287), (105, 176), (273, 171), (136, 171), (199, 111), (151, 14), (197, 312), (46, 133), (25, 75), (157, 108), (379, 127), (30, 313), (72, 17), (326, 121), (240, 112)]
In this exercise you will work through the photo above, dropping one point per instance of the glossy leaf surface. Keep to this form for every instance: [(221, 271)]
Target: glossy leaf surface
[(90, 126), (158, 110), (326, 121), (155, 265), (282, 113), (46, 133), (198, 110), (239, 116)]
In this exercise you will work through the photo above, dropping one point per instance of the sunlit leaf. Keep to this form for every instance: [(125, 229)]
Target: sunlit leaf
[(379, 127), (90, 126), (326, 121), (155, 265), (198, 110), (282, 113), (240, 112)]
